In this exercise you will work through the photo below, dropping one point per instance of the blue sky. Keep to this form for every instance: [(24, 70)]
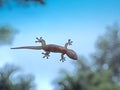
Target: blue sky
[(80, 20)]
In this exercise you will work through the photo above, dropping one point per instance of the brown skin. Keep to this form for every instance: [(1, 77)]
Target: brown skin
[(52, 48)]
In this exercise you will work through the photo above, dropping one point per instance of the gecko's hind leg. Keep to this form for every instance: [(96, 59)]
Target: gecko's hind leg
[(39, 39), (46, 54), (42, 41), (62, 57)]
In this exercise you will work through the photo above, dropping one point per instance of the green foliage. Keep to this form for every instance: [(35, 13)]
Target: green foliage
[(9, 3), (107, 55), (7, 34), (104, 72), (11, 80)]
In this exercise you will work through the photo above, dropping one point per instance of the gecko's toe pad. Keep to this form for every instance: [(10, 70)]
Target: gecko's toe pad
[(62, 59), (70, 42), (46, 55)]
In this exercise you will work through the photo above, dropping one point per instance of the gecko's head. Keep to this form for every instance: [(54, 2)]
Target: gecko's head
[(72, 54)]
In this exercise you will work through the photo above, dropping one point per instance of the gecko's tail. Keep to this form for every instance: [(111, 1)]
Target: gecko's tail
[(28, 47)]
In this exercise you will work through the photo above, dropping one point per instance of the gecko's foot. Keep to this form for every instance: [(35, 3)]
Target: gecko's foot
[(62, 59), (46, 55), (70, 42), (38, 39)]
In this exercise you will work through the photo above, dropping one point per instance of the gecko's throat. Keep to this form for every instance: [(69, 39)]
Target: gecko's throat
[(70, 53)]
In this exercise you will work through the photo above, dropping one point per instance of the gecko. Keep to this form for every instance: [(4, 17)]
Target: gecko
[(52, 48)]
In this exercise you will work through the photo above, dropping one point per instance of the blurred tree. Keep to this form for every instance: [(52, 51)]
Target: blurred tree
[(7, 34), (11, 80), (75, 81), (107, 55), (85, 78), (103, 74), (9, 3)]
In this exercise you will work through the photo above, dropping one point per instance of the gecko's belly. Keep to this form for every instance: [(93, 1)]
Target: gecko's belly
[(55, 48)]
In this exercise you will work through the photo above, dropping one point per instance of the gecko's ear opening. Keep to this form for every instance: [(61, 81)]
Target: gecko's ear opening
[(72, 54)]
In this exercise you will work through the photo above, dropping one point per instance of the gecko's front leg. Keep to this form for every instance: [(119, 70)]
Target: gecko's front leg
[(62, 57), (46, 54), (68, 43)]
